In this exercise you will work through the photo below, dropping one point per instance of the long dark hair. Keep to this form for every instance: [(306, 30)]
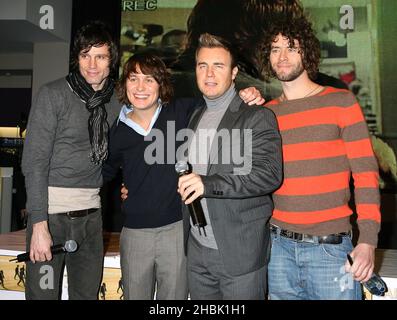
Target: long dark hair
[(242, 24), (298, 28), (257, 19)]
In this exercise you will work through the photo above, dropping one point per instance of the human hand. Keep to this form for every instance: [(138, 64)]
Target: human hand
[(41, 242), (363, 256), (252, 96), (124, 192), (190, 187)]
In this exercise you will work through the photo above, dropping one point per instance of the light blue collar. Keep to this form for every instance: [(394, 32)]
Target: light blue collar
[(125, 110)]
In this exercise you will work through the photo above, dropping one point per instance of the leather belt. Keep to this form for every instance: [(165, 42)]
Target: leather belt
[(301, 237), (80, 213)]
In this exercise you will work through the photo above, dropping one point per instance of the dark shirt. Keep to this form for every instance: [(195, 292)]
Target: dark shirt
[(152, 200)]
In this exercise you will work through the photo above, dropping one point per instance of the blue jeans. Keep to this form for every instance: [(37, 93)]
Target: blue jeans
[(310, 271)]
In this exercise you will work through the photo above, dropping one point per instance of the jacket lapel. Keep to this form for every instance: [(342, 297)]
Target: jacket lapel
[(192, 125), (196, 116)]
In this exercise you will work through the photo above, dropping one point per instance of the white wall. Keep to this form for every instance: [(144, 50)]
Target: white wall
[(50, 62), (16, 61), (62, 16), (13, 9)]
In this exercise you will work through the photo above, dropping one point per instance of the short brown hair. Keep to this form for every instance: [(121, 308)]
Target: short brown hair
[(207, 40), (149, 64), (300, 29)]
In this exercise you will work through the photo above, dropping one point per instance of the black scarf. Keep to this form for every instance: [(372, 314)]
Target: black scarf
[(98, 126)]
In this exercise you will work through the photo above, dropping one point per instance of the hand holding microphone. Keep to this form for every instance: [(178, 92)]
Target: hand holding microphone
[(191, 188), (375, 285), (69, 246)]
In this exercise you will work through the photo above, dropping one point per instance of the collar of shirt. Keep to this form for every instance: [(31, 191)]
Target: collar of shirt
[(125, 110)]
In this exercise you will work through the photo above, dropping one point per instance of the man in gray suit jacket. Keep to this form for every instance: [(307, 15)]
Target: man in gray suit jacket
[(233, 179)]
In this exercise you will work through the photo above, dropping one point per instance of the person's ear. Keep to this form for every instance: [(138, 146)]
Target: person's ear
[(234, 72)]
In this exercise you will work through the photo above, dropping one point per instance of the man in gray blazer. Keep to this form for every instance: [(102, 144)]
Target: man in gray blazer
[(235, 154)]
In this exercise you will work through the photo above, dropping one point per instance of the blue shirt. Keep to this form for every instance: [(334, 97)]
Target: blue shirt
[(123, 117)]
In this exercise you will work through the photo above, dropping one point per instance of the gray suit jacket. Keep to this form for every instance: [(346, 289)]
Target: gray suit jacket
[(239, 195)]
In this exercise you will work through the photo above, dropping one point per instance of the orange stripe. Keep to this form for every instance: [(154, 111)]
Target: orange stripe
[(308, 118), (343, 117), (312, 216), (332, 90), (366, 180), (351, 115), (313, 150), (272, 102), (359, 148), (368, 212), (314, 185)]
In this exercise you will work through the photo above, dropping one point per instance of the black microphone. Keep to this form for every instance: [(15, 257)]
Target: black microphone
[(70, 246), (195, 208)]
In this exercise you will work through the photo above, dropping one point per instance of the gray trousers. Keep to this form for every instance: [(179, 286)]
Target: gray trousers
[(84, 266), (208, 279), (150, 256)]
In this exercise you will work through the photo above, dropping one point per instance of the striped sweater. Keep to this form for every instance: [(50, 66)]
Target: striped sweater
[(325, 143)]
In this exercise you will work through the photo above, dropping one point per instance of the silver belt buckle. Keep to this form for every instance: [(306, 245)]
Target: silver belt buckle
[(307, 238)]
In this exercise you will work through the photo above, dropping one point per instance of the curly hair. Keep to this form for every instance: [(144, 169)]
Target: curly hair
[(149, 64), (242, 24), (256, 20), (296, 28), (207, 16)]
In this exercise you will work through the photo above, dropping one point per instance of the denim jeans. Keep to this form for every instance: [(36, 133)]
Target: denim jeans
[(84, 267), (310, 271)]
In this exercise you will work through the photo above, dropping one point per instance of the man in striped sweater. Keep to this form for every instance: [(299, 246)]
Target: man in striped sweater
[(325, 143)]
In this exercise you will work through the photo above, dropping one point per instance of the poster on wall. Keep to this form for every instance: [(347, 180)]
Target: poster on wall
[(164, 27), (157, 25), (346, 30)]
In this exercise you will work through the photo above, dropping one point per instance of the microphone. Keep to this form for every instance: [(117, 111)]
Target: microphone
[(195, 208), (70, 246)]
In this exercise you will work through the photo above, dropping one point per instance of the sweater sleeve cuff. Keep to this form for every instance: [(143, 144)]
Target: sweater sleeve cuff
[(38, 217), (209, 187), (369, 230)]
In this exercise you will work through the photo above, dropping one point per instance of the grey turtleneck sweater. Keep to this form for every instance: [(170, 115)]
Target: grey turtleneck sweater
[(199, 151)]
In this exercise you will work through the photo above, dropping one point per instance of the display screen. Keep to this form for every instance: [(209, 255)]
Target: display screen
[(156, 25)]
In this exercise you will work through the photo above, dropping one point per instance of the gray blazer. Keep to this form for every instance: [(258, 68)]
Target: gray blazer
[(239, 198)]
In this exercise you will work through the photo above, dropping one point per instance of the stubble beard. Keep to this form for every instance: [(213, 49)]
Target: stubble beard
[(294, 74)]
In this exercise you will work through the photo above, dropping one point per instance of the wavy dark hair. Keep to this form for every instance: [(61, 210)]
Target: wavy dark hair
[(207, 17), (94, 34), (296, 28), (256, 19), (149, 64), (242, 24)]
